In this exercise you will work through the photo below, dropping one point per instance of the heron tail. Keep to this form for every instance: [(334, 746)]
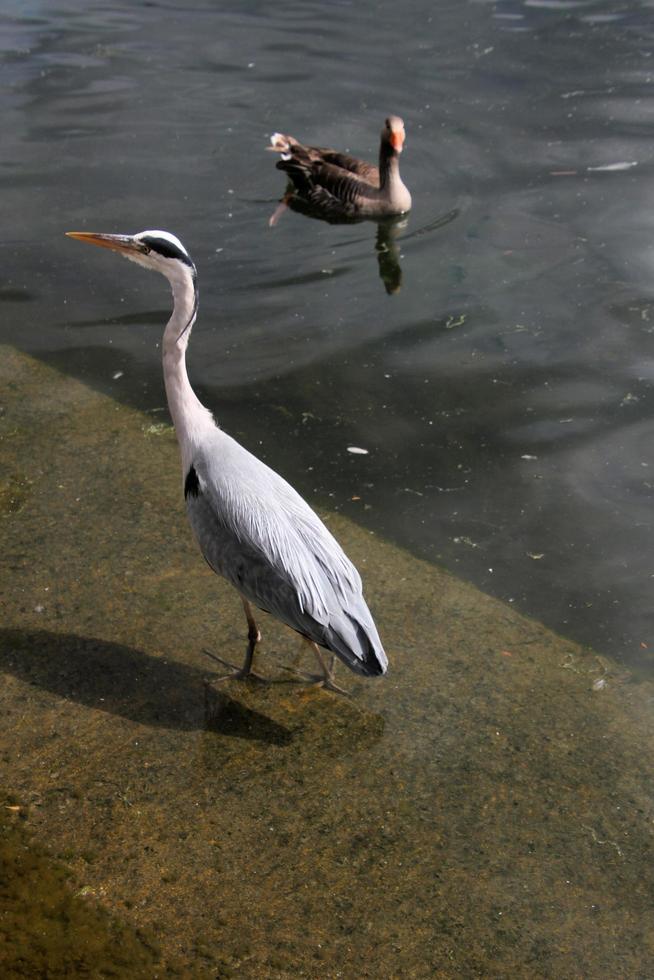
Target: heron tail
[(357, 644)]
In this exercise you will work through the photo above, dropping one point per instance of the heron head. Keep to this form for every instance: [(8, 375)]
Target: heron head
[(153, 249)]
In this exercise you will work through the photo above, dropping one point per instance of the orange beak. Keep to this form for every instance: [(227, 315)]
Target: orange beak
[(118, 243), (397, 140)]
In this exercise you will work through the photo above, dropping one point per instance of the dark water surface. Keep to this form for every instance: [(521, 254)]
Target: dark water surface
[(504, 395)]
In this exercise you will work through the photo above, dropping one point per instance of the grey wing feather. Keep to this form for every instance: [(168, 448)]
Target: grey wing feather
[(254, 529)]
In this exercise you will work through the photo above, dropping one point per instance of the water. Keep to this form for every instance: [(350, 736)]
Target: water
[(503, 393), (523, 326)]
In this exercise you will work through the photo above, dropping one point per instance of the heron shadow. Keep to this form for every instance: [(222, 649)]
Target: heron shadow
[(127, 682)]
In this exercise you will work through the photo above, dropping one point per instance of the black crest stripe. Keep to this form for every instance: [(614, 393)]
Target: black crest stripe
[(168, 249)]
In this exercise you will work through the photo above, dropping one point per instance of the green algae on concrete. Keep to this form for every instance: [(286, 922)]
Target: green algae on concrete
[(486, 810), (47, 929)]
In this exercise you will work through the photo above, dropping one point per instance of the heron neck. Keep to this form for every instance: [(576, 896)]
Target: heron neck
[(190, 417)]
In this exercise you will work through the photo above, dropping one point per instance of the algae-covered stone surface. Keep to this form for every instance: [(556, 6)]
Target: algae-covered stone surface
[(48, 929), (485, 810)]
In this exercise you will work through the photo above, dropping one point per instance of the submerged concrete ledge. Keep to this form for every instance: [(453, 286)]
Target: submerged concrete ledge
[(486, 810)]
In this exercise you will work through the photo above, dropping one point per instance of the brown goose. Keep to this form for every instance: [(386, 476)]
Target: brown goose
[(337, 185)]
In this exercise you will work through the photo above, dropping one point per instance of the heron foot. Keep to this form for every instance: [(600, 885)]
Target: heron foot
[(244, 673), (326, 681), (329, 684)]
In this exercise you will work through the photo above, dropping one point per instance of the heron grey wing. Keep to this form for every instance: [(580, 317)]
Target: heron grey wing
[(264, 538), (239, 506), (247, 568)]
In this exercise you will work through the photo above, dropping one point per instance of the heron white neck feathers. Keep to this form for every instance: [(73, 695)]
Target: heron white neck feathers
[(190, 417)]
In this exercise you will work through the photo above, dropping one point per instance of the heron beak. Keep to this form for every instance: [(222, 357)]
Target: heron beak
[(397, 141), (118, 243)]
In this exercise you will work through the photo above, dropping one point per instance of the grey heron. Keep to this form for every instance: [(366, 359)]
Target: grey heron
[(251, 525)]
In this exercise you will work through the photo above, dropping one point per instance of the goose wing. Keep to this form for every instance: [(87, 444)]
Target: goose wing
[(360, 168)]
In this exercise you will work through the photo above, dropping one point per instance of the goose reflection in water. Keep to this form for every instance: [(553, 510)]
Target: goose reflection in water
[(386, 239), (391, 231)]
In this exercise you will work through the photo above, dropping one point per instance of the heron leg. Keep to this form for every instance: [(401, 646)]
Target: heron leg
[(254, 636), (327, 679)]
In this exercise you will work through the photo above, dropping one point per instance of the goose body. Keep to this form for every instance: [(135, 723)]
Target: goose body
[(337, 184)]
